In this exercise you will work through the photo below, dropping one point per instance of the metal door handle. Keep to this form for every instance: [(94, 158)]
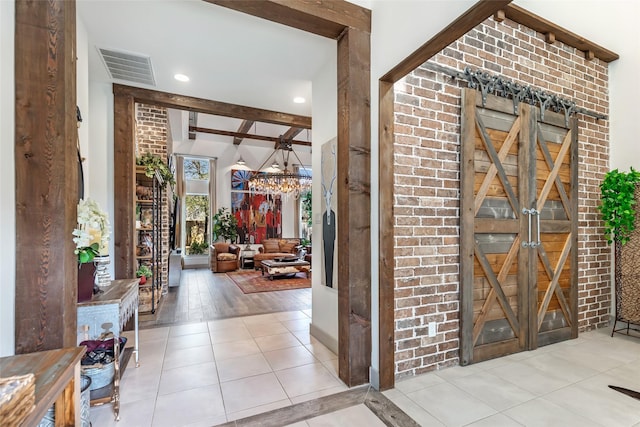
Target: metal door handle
[(527, 243), (537, 242)]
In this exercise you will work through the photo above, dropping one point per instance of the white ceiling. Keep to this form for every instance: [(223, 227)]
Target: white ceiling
[(229, 56)]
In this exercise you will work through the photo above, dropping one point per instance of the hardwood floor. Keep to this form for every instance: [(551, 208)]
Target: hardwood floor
[(203, 295)]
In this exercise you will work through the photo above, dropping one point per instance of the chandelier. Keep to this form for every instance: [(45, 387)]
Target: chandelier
[(286, 182)]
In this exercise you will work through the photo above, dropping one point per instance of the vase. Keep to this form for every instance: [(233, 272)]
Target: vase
[(86, 280)]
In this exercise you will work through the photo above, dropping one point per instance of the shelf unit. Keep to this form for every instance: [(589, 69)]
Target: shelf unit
[(148, 237)]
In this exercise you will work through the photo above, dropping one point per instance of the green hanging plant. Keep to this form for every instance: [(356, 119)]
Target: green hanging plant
[(618, 214), (151, 163)]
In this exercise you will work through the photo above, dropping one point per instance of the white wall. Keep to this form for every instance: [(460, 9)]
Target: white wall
[(324, 301), (7, 180)]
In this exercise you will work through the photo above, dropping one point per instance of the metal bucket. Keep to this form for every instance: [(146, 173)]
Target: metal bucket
[(49, 419)]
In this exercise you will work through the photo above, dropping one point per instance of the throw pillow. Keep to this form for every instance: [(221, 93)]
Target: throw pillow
[(287, 247), (225, 256), (271, 246)]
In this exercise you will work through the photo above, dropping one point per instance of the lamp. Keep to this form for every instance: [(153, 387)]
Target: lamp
[(283, 182), (241, 161)]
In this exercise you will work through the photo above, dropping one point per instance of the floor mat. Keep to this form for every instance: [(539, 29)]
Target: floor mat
[(252, 281)]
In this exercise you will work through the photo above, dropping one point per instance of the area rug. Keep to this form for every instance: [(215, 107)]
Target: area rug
[(252, 281)]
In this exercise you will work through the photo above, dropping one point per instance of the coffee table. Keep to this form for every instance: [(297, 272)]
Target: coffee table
[(275, 268)]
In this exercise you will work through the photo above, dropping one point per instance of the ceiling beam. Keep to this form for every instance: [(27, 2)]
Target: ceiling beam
[(291, 133), (245, 135), (324, 18), (243, 128), (216, 108)]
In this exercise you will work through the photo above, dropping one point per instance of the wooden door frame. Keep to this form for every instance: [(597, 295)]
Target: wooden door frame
[(350, 25), (462, 25)]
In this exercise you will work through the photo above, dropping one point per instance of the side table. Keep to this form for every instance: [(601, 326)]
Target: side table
[(246, 258), (106, 314)]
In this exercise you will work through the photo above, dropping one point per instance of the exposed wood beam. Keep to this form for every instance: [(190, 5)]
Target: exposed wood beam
[(193, 121), (324, 18), (243, 128), (541, 25), (452, 32), (291, 133), (245, 135), (217, 108)]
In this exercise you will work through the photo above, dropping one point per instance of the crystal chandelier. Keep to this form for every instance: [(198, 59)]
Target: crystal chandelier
[(285, 182)]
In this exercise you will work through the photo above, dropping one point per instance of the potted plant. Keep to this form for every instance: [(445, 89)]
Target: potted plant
[(224, 225), (144, 272), (151, 163), (91, 237)]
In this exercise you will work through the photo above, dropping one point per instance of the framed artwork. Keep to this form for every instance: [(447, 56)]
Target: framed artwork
[(259, 215), (329, 174)]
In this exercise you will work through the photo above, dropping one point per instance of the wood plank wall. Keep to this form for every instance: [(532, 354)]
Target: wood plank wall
[(46, 174)]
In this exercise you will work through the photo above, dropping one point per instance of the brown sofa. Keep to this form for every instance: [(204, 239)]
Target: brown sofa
[(224, 257), (275, 248)]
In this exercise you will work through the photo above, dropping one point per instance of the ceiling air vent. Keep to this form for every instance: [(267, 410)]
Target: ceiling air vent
[(128, 66)]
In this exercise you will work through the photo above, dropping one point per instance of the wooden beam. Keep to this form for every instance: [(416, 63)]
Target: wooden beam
[(124, 165), (217, 108), (541, 25), (499, 16), (243, 128), (550, 38), (321, 17), (465, 22), (246, 135), (386, 261), (354, 207), (46, 168), (291, 133)]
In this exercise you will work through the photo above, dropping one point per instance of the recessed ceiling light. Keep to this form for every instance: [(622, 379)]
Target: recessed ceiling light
[(181, 77), (299, 100)]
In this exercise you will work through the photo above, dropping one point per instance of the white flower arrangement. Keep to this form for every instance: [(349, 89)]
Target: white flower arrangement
[(92, 234)]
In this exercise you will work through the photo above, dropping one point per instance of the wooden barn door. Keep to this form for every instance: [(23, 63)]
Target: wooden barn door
[(518, 290)]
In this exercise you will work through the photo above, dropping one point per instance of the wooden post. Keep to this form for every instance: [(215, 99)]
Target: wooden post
[(354, 207), (46, 175)]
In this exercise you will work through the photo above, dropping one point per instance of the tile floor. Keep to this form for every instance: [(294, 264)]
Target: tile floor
[(204, 374), (563, 384), (209, 373)]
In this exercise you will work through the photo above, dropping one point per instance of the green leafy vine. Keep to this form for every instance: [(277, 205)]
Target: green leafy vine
[(618, 213)]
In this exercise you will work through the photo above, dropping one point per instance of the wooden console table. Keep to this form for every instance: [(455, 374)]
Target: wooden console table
[(106, 314), (57, 378)]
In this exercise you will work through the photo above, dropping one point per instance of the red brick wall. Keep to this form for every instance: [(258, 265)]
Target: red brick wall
[(427, 183), (151, 137)]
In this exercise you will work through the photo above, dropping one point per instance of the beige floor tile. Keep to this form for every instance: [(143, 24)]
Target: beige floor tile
[(454, 372), (188, 341), (529, 378), (258, 409), (188, 377), (134, 414), (358, 415), (290, 315), (235, 333), (450, 405), (497, 420), (260, 319), (551, 364), (246, 393), (242, 367), (418, 382), (266, 329), (300, 424), (188, 407), (152, 334), (208, 422), (297, 324), (180, 357), (188, 328), (139, 383), (411, 408), (320, 393), (542, 413), (492, 390), (303, 336), (306, 379), (320, 351), (289, 357), (231, 349), (276, 342), (222, 324)]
